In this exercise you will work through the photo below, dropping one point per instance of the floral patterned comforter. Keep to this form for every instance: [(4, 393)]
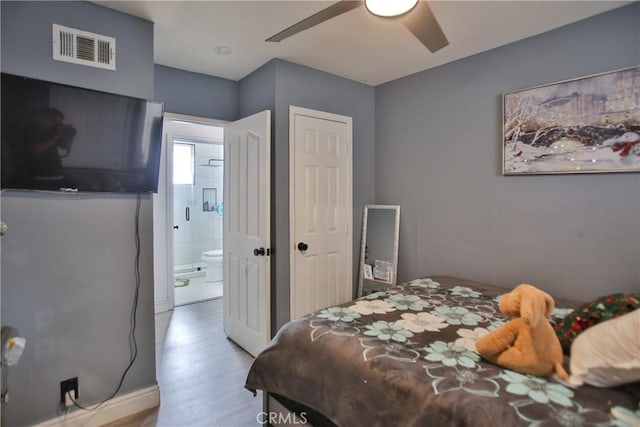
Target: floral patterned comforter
[(407, 357)]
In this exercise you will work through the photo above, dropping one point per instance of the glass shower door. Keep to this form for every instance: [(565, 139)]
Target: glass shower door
[(183, 205)]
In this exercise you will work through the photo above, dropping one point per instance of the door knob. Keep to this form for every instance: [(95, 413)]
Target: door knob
[(259, 252), (302, 246), (175, 227)]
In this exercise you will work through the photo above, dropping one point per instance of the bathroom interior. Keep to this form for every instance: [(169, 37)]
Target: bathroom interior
[(197, 212)]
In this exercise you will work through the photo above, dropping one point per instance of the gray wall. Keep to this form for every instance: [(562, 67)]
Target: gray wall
[(27, 50), (257, 91), (196, 94), (305, 87), (68, 261), (438, 155)]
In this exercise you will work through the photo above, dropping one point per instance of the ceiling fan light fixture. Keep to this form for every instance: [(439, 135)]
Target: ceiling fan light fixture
[(389, 8)]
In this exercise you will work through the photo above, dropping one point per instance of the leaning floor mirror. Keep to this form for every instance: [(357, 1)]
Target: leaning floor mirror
[(379, 248)]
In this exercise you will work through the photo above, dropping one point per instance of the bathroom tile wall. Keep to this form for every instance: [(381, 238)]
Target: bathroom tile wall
[(208, 224), (203, 231)]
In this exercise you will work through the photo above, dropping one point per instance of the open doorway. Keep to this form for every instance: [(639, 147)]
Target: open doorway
[(188, 212), (246, 233), (197, 217)]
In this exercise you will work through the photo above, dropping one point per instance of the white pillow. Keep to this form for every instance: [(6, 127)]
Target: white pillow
[(608, 354)]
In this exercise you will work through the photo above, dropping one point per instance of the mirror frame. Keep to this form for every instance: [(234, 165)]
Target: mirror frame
[(363, 245)]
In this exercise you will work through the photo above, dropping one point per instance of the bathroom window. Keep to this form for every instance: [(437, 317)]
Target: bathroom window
[(183, 163)]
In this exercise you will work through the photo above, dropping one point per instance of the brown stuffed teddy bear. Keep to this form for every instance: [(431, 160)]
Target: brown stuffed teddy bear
[(527, 343)]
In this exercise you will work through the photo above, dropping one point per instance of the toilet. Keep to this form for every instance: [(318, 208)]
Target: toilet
[(213, 259)]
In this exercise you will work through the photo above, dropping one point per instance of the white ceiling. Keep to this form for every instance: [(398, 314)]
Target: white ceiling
[(355, 45)]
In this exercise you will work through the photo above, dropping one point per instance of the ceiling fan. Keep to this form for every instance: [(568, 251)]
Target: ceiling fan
[(415, 15)]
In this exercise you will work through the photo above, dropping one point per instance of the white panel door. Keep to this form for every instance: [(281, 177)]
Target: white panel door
[(320, 209), (246, 238)]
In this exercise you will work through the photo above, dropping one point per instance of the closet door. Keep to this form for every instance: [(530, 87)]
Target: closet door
[(320, 210)]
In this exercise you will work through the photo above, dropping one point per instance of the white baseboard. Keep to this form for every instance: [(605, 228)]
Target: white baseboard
[(117, 408)]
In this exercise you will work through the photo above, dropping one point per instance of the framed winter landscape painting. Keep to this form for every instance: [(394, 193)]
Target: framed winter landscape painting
[(589, 124)]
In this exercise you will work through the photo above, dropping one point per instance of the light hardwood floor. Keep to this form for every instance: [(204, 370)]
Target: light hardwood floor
[(201, 374)]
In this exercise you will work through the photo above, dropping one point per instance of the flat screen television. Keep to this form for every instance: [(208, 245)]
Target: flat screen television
[(63, 138)]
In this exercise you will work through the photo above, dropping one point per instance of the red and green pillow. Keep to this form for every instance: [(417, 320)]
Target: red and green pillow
[(592, 313)]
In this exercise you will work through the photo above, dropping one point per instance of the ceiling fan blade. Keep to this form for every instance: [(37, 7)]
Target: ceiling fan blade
[(315, 19), (423, 24)]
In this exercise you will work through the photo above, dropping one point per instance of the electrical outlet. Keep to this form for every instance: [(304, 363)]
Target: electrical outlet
[(68, 386)]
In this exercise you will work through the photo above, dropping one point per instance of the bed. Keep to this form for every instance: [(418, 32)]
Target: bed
[(406, 357)]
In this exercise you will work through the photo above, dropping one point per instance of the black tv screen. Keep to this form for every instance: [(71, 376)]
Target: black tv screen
[(64, 138)]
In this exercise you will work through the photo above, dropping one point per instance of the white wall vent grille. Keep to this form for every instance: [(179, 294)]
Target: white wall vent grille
[(82, 47)]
